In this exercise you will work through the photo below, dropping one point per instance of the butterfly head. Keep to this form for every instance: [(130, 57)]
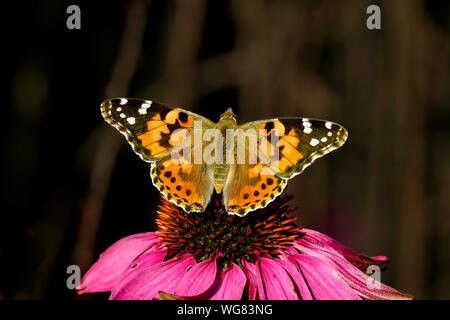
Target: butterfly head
[(228, 117)]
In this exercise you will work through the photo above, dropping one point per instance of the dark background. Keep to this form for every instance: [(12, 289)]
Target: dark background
[(71, 186)]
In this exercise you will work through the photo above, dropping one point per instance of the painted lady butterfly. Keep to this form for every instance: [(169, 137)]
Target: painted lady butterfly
[(156, 131)]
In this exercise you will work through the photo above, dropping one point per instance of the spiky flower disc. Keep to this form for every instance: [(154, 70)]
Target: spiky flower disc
[(213, 231)]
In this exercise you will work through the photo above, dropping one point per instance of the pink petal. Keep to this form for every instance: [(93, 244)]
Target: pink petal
[(355, 278), (232, 284), (359, 260), (277, 283), (144, 279), (255, 281), (198, 279), (323, 280), (114, 260), (299, 280), (252, 282)]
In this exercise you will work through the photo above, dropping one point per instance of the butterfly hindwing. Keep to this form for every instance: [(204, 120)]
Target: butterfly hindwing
[(250, 187), (186, 184)]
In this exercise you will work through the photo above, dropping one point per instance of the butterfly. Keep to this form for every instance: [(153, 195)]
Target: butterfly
[(173, 140)]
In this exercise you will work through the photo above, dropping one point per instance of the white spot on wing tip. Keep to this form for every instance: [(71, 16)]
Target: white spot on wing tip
[(144, 107), (131, 120), (123, 101), (314, 142), (328, 124)]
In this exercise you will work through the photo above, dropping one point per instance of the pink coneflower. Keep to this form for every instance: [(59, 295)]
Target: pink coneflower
[(213, 255)]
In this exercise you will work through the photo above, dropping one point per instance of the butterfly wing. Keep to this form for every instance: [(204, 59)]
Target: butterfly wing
[(149, 126), (300, 142), (187, 185), (250, 187), (285, 147), (155, 131)]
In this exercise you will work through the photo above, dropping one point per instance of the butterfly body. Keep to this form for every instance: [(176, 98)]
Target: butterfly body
[(227, 121), (191, 156)]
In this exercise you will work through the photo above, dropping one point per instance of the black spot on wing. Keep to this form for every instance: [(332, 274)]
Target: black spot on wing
[(183, 117)]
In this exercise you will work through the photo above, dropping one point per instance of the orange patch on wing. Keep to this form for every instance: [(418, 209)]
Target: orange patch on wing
[(178, 136), (279, 128), (156, 148), (262, 129), (272, 127), (283, 165), (287, 150), (292, 140), (254, 172), (171, 117), (157, 116), (154, 124), (174, 185), (266, 149), (183, 119), (154, 135), (186, 168), (253, 196)]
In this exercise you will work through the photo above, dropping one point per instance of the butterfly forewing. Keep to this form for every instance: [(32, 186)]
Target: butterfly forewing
[(299, 141), (148, 126)]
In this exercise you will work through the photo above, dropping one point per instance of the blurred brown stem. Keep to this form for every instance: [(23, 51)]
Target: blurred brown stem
[(108, 142)]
